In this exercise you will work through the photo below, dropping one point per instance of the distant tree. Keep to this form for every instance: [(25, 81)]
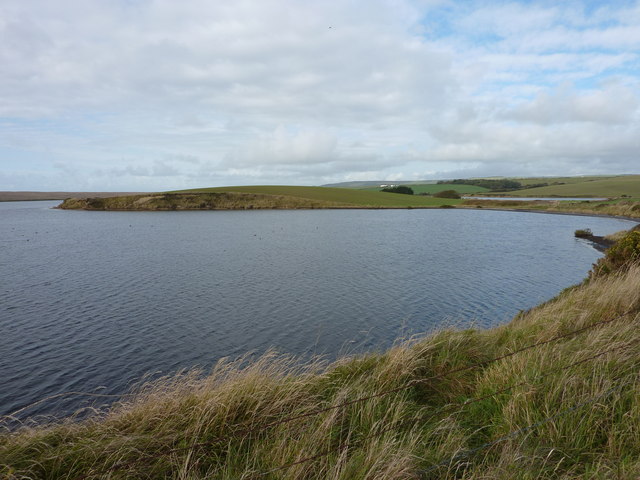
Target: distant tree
[(447, 194), (491, 184), (399, 189)]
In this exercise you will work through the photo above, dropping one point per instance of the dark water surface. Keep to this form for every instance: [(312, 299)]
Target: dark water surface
[(98, 299)]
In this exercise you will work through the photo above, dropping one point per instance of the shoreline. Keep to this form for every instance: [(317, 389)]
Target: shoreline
[(530, 210), (360, 207)]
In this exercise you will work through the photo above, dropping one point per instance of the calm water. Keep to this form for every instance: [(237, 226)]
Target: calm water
[(92, 301)]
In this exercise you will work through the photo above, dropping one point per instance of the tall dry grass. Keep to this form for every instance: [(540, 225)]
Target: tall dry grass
[(230, 423)]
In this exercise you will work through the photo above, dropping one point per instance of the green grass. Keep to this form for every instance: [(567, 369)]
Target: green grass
[(435, 188), (596, 187), (567, 180), (618, 208), (197, 201), (169, 429), (346, 196)]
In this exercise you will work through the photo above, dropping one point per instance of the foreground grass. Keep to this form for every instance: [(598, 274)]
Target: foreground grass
[(580, 421)]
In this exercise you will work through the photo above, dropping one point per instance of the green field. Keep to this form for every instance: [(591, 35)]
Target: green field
[(435, 188), (567, 180), (346, 196), (588, 187)]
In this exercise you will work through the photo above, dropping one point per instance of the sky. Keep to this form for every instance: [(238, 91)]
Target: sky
[(147, 95)]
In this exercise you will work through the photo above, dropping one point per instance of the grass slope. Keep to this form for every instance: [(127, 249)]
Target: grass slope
[(573, 401), (566, 180), (347, 196), (607, 187), (37, 196), (617, 208)]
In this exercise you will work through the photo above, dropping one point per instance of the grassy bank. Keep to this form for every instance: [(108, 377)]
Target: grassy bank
[(553, 394), (346, 196), (619, 208), (197, 201), (257, 197)]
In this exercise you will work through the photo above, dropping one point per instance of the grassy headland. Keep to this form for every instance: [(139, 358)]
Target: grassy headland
[(197, 201), (257, 197), (473, 404), (346, 196)]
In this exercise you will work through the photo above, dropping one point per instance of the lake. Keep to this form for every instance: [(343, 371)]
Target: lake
[(92, 301)]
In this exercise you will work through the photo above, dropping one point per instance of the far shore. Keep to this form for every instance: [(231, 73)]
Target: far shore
[(552, 212), (32, 196)]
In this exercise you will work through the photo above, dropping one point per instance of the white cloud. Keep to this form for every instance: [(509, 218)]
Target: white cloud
[(613, 104), (157, 93), (283, 147)]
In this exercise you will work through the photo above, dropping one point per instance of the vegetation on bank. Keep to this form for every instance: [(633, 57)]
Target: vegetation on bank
[(447, 194), (402, 189), (353, 197), (471, 404), (583, 233), (257, 197), (498, 184), (197, 201), (620, 208), (431, 188)]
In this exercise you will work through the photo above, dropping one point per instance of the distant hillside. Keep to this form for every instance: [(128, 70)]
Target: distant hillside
[(26, 196), (377, 183), (562, 180), (628, 185), (579, 186)]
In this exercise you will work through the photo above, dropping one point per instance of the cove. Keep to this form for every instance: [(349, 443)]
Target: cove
[(93, 301)]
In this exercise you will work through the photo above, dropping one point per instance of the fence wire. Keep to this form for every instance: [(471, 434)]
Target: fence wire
[(242, 433), (453, 407), (471, 452)]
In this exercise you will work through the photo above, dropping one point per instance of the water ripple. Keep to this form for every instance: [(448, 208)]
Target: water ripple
[(104, 298)]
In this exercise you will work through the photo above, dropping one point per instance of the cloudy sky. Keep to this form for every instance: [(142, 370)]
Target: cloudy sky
[(163, 94)]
